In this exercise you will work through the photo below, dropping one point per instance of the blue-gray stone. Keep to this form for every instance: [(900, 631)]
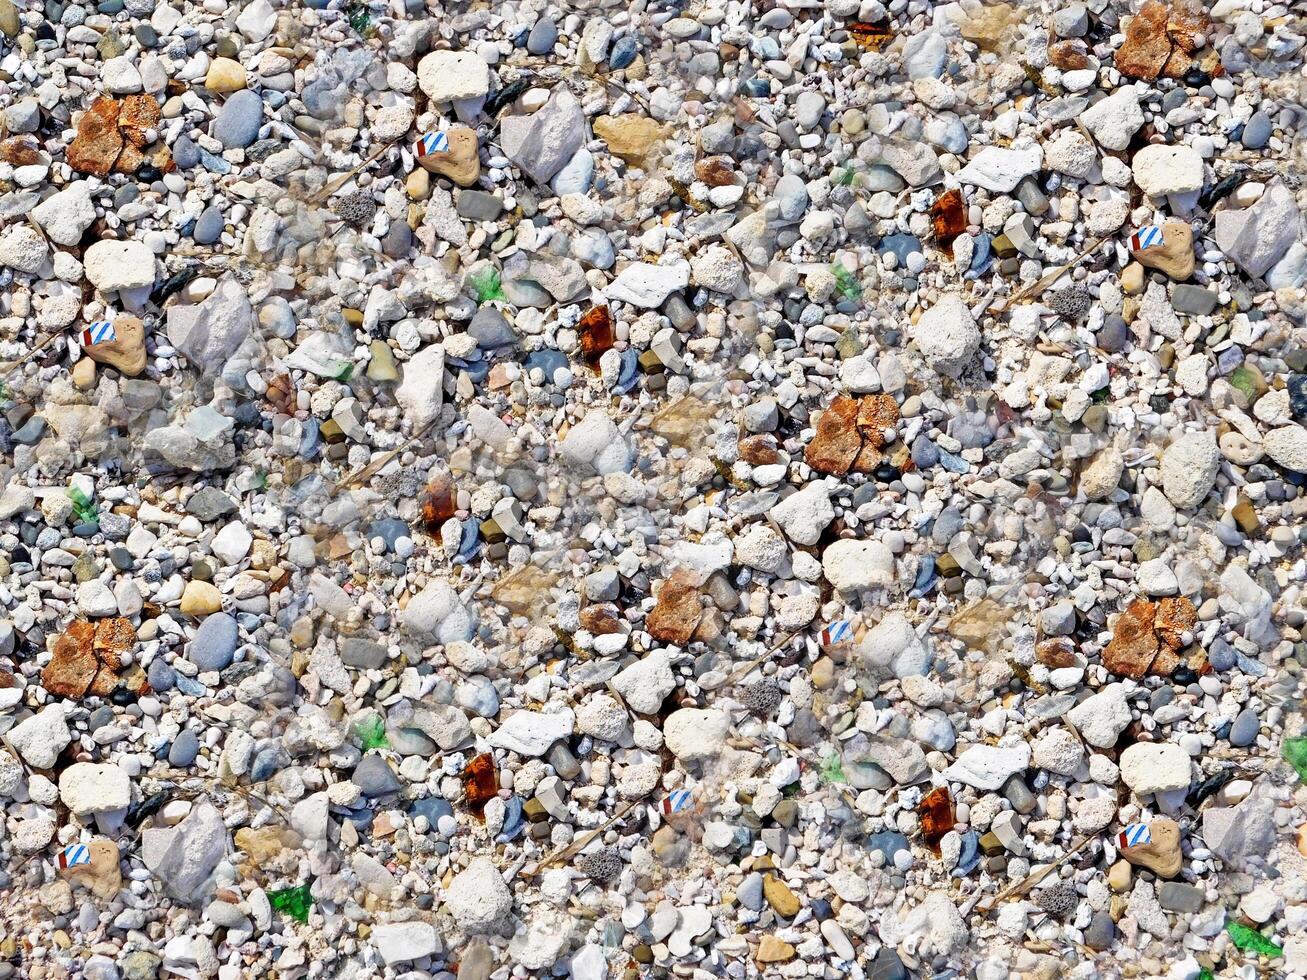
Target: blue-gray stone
[(190, 686), (543, 36), (900, 245), (208, 227), (548, 360), (185, 747), (160, 675), (624, 51), (431, 807), (1256, 131), (268, 762), (390, 530), (31, 431), (924, 452), (1244, 730), (490, 329), (1113, 335), (969, 856), (214, 164), (238, 122), (374, 777), (888, 842), (513, 822), (215, 643)]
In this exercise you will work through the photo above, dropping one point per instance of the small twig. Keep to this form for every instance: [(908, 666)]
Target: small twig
[(1031, 880), (1043, 283), (567, 850), (340, 182)]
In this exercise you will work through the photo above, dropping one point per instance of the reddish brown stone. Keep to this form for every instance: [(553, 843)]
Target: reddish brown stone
[(716, 171), (837, 442), (602, 618), (1056, 652), (98, 142), (1134, 644), (136, 114), (1164, 663), (1068, 55), (74, 665), (1175, 616), (1186, 23), (760, 450), (677, 613), (129, 160), (1147, 46), (21, 151), (114, 636), (868, 458), (876, 413), (104, 682)]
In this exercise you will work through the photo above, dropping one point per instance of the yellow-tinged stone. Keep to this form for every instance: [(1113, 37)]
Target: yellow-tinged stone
[(200, 599), (1118, 878), (774, 950), (84, 374), (630, 136), (126, 352), (1174, 256), (1132, 279), (783, 901), (103, 875), (460, 163), (225, 75), (418, 185)]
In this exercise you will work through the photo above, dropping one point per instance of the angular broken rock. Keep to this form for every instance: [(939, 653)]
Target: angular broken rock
[(542, 143), (674, 618), (183, 857), (1134, 644), (988, 767), (96, 147), (209, 333), (531, 733), (838, 441), (1258, 237)]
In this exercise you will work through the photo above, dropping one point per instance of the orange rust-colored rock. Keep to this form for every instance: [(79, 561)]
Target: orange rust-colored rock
[(760, 450), (716, 171), (20, 151), (98, 143), (837, 442), (1134, 643), (602, 618), (1056, 652), (1175, 616), (136, 114), (876, 414), (674, 618), (1146, 47), (73, 667), (1068, 55)]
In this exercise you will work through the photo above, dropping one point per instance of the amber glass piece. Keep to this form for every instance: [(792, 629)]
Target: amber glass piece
[(437, 503), (936, 812), (870, 37), (949, 218), (596, 333), (480, 783)]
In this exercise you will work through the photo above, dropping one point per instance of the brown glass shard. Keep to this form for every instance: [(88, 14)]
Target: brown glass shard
[(870, 37), (438, 503), (949, 216), (596, 335), (936, 812), (480, 783)]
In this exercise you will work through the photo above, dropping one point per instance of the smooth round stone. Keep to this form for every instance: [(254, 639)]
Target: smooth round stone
[(1244, 730), (543, 36), (215, 643), (208, 227), (185, 747), (238, 122), (160, 675), (1256, 131)]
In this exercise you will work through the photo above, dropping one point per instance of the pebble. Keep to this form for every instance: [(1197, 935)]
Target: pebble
[(732, 431)]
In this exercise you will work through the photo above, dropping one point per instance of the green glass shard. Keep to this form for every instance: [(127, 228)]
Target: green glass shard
[(487, 285), (1294, 752), (344, 373), (295, 902), (372, 733), (1245, 381), (83, 507), (1205, 974), (359, 18), (845, 177), (846, 282), (1251, 941), (832, 770)]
